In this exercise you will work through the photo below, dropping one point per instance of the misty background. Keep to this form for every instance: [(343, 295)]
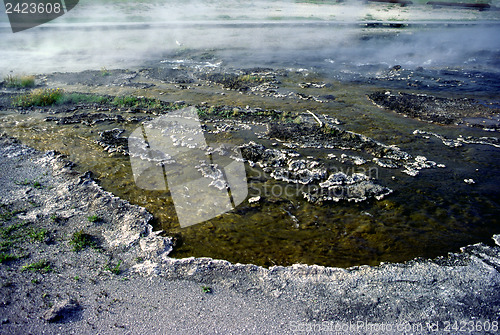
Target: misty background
[(347, 37)]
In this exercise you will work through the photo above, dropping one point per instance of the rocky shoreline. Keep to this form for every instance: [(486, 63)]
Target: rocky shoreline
[(126, 282)]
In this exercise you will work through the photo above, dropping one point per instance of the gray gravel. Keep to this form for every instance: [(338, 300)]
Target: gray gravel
[(127, 284)]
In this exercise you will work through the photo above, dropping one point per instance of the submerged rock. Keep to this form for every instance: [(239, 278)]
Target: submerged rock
[(339, 186), (111, 141), (331, 136), (281, 165), (493, 141)]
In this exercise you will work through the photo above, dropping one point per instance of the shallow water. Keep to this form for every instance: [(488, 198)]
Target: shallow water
[(427, 215)]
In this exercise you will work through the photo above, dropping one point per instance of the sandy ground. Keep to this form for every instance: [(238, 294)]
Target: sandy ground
[(126, 283)]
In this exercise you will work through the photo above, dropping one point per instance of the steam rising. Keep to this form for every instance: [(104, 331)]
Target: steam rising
[(117, 34)]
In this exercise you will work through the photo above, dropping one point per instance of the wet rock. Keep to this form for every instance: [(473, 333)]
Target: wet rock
[(340, 186), (313, 85), (438, 110), (446, 141), (493, 141), (61, 311), (281, 164), (103, 77), (420, 162), (386, 163), (254, 199), (356, 160), (333, 137), (88, 119), (328, 97), (228, 80), (169, 75), (111, 141)]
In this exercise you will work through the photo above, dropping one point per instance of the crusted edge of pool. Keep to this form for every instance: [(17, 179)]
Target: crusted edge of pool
[(459, 286)]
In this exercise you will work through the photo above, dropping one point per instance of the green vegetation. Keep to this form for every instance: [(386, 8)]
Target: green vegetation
[(216, 111), (32, 183), (42, 266), (39, 97), (6, 245), (206, 289), (252, 78), (6, 257), (38, 234), (18, 82), (94, 218), (48, 97), (8, 215), (298, 120), (6, 232), (115, 269), (129, 101), (105, 72), (80, 240), (331, 130), (55, 96), (369, 17), (125, 101)]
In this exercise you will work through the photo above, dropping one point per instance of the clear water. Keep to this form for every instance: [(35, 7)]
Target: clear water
[(428, 215)]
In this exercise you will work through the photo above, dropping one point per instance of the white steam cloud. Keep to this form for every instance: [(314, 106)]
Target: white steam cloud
[(117, 34)]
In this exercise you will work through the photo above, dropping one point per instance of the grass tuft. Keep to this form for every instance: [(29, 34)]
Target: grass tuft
[(94, 218), (39, 97), (19, 81), (6, 257), (114, 269), (206, 289), (32, 183), (38, 235), (80, 240), (42, 266), (126, 101)]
